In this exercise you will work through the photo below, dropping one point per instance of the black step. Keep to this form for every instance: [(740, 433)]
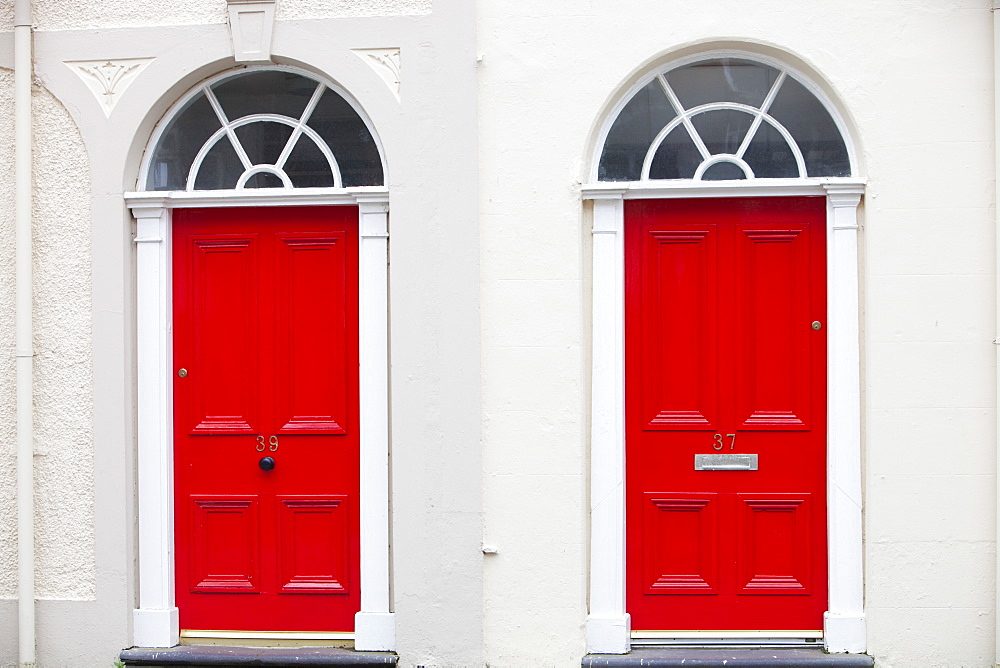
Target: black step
[(727, 658), (212, 655)]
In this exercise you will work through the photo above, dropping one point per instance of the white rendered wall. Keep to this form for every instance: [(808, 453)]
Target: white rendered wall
[(61, 15), (64, 465), (915, 79)]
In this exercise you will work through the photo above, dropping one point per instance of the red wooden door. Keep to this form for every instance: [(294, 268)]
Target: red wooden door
[(725, 356), (266, 363)]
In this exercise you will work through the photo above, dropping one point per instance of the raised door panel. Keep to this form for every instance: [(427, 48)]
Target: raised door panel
[(679, 543), (223, 284), (224, 550), (312, 380), (315, 553), (679, 311), (774, 544), (773, 347)]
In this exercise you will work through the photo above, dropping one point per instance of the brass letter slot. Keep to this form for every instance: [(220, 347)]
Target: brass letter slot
[(725, 462)]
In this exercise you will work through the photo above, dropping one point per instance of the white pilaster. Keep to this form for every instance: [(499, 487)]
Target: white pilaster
[(155, 620), (608, 626), (844, 622), (374, 625)]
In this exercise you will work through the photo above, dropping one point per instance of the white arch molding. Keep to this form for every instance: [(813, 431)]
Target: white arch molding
[(155, 619), (608, 622)]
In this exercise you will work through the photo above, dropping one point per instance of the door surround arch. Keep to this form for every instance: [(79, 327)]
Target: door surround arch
[(608, 622), (155, 619)]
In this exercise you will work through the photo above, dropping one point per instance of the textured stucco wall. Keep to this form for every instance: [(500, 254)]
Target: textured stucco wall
[(61, 15), (915, 77), (63, 396)]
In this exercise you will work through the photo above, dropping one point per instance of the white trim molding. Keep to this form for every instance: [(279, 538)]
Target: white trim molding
[(608, 622), (155, 618)]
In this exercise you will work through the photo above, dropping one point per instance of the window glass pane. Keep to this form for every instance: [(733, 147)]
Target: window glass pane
[(221, 168), (633, 131), (722, 80), (677, 157), (180, 143), (813, 129), (769, 155), (723, 171), (264, 92), (263, 141), (722, 130), (264, 180), (349, 139), (307, 166)]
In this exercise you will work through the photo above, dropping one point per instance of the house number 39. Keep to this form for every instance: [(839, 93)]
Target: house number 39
[(718, 443)]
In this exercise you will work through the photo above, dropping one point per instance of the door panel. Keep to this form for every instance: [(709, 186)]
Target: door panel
[(680, 269), (223, 276), (311, 335), (690, 519), (772, 296), (314, 544), (722, 358), (265, 326)]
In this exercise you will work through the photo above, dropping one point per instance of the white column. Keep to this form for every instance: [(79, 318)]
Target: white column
[(844, 622), (374, 625), (608, 625), (155, 621)]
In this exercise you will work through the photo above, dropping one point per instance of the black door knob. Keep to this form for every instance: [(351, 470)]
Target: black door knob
[(266, 463)]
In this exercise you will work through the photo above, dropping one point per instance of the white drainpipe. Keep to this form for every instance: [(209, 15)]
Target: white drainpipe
[(23, 336), (996, 218)]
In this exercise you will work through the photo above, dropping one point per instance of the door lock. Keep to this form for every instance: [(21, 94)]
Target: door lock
[(817, 324)]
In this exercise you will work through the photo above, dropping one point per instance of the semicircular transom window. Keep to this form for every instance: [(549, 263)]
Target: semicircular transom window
[(265, 129), (723, 119)]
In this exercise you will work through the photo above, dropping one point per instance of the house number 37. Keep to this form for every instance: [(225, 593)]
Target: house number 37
[(718, 443)]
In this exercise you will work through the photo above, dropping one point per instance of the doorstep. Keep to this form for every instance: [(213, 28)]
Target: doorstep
[(729, 658), (214, 655)]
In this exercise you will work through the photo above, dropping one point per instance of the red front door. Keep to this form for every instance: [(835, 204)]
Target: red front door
[(725, 356), (266, 418)]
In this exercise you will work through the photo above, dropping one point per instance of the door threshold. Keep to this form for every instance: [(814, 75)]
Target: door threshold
[(265, 638), (749, 639)]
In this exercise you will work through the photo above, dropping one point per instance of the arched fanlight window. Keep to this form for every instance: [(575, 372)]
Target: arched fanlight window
[(723, 119), (272, 128)]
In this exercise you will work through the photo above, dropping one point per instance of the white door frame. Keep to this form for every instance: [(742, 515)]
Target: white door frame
[(608, 623), (155, 620)]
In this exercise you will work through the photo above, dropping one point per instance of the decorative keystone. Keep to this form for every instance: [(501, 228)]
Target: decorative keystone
[(251, 23)]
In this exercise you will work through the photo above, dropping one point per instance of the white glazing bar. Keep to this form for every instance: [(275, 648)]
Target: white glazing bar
[(228, 127), (844, 622), (771, 94), (608, 626), (155, 620), (374, 625), (685, 116), (297, 131)]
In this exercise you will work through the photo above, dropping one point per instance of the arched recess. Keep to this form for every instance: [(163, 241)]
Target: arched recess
[(268, 136), (723, 124)]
